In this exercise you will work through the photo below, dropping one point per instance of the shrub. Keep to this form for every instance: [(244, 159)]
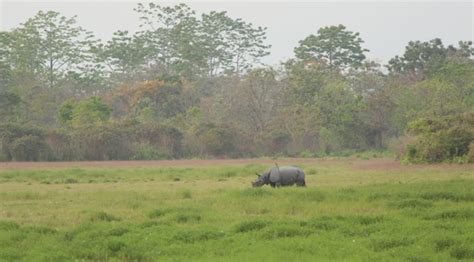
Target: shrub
[(88, 111), (28, 148), (215, 140), (278, 141), (102, 142), (145, 151), (444, 139), (156, 141), (470, 155), (23, 142), (61, 145)]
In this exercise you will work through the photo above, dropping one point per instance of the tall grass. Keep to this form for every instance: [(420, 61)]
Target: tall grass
[(147, 215)]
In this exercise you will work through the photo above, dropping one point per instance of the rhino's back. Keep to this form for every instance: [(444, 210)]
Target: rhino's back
[(289, 174)]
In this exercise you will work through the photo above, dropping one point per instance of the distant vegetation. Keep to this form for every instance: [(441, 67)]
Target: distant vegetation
[(192, 85)]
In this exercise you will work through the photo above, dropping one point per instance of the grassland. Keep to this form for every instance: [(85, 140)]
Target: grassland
[(352, 209)]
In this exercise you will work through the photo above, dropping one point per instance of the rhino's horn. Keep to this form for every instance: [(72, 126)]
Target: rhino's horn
[(257, 174)]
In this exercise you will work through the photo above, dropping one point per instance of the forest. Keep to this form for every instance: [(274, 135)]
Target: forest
[(192, 85)]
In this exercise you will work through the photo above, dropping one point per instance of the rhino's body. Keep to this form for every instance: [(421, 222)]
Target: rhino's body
[(283, 176)]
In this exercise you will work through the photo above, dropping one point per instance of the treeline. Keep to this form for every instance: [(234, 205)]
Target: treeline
[(192, 85)]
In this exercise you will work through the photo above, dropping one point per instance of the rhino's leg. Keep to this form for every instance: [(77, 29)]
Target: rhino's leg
[(272, 185)]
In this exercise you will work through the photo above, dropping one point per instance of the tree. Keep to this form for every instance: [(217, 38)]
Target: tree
[(336, 45), (247, 45), (86, 112), (303, 79), (125, 56), (153, 100), (423, 59), (216, 30), (50, 46), (171, 33), (252, 102), (337, 112), (5, 68), (213, 44), (9, 105)]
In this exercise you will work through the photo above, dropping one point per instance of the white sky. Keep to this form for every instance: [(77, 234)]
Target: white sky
[(385, 26)]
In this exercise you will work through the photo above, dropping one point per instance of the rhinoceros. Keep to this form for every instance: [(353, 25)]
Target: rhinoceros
[(281, 176)]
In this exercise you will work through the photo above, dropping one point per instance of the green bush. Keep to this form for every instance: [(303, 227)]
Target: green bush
[(444, 139), (215, 140), (88, 111), (156, 141), (61, 145), (28, 148), (278, 142), (22, 142), (101, 142), (470, 155), (147, 152)]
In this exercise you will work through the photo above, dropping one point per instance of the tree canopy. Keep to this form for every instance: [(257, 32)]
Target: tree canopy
[(191, 84), (338, 47)]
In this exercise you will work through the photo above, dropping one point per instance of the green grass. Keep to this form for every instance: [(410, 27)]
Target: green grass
[(211, 213)]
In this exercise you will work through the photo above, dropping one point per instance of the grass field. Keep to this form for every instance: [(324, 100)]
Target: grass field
[(352, 209)]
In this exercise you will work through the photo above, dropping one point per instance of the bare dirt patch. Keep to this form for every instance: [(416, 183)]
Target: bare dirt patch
[(389, 164), (150, 164), (378, 164)]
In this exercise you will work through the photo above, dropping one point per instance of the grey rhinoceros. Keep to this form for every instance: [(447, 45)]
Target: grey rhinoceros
[(281, 176)]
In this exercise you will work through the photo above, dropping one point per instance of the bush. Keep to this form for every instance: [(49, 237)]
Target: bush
[(22, 142), (61, 145), (445, 139), (215, 140), (28, 148), (470, 155), (157, 141), (102, 142), (278, 142), (147, 152)]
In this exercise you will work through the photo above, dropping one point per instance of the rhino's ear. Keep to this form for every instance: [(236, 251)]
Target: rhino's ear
[(257, 174)]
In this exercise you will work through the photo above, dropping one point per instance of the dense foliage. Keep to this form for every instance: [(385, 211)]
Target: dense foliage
[(192, 85), (442, 139)]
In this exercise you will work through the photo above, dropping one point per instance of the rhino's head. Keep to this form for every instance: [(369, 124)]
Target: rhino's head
[(261, 180)]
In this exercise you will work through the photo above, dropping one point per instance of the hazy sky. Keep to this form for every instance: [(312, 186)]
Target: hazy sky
[(385, 26)]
